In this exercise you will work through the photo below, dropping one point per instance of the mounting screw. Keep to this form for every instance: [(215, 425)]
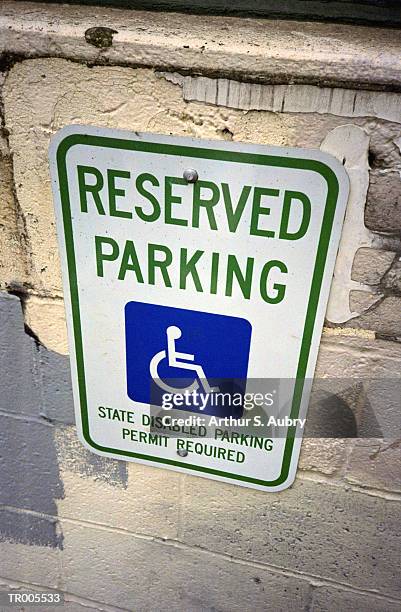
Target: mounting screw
[(182, 452), (190, 175)]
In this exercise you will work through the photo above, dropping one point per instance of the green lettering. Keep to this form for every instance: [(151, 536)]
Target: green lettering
[(130, 261), (289, 196), (93, 188), (258, 210), (280, 289), (188, 266), (208, 204), (244, 281), (214, 273), (101, 256), (171, 199), (234, 216), (153, 263), (114, 193), (155, 214)]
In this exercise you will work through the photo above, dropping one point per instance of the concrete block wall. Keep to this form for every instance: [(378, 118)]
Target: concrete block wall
[(120, 536)]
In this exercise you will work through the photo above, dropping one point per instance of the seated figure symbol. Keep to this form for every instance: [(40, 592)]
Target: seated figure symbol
[(183, 361)]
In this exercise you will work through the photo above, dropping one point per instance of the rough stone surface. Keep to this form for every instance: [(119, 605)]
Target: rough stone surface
[(362, 301), (34, 564), (78, 94), (55, 379), (383, 210), (323, 455), (95, 561), (314, 528), (47, 318), (376, 464), (247, 49), (383, 317), (327, 599), (392, 279), (370, 265), (13, 272), (29, 529)]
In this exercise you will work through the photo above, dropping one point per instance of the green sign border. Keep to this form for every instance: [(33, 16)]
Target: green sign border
[(212, 154)]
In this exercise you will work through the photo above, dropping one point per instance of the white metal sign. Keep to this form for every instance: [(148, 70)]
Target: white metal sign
[(196, 276)]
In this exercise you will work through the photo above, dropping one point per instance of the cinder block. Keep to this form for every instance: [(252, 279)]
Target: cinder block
[(370, 265), (29, 528), (19, 388), (55, 379), (141, 499), (366, 374), (74, 457), (327, 599), (29, 472), (376, 464), (314, 528), (34, 564), (325, 455), (144, 575)]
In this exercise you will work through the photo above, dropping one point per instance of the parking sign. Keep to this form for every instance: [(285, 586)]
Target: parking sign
[(196, 276)]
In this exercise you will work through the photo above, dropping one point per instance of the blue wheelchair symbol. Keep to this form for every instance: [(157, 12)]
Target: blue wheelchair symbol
[(172, 350)]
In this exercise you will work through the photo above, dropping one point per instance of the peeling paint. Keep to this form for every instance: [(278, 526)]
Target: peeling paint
[(30, 529), (35, 398), (350, 145), (288, 98), (74, 457)]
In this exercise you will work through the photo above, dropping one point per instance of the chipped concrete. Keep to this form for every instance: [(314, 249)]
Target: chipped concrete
[(288, 98), (13, 264), (47, 318), (262, 50), (78, 94)]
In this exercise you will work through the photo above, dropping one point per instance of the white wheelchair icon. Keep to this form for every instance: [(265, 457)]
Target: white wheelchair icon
[(184, 361)]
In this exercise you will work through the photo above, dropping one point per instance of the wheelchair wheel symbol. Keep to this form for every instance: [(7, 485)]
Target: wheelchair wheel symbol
[(184, 361)]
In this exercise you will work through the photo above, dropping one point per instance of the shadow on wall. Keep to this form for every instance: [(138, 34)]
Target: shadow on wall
[(35, 399), (340, 409)]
